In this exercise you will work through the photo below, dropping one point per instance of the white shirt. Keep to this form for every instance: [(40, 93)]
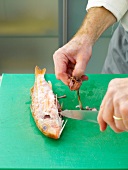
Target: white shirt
[(119, 8)]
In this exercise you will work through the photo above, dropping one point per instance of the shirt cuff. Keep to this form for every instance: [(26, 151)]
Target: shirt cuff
[(117, 7)]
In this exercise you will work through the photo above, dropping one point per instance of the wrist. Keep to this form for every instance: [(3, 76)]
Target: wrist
[(82, 46), (81, 41), (84, 39)]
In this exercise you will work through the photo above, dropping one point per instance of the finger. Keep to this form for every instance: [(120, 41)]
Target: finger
[(102, 123), (124, 114), (61, 62), (79, 67), (117, 113), (106, 114), (63, 77)]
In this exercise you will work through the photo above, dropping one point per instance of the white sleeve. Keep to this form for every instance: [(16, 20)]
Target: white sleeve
[(117, 7)]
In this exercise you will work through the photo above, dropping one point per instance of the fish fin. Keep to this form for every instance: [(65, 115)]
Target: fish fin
[(63, 126), (39, 71)]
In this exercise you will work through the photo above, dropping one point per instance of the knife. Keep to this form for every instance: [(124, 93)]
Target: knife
[(90, 116)]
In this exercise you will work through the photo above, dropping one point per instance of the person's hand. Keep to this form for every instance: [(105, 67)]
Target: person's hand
[(114, 107), (71, 60)]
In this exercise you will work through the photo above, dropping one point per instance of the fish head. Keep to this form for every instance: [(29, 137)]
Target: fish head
[(51, 128)]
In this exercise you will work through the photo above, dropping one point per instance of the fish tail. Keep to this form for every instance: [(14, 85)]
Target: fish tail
[(39, 71)]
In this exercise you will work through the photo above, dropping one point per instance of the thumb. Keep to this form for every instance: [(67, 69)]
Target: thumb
[(79, 68)]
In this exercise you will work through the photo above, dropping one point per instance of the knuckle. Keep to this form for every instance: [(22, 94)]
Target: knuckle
[(116, 101), (107, 119), (58, 76), (113, 81), (99, 119), (118, 126), (124, 110), (110, 91), (55, 54)]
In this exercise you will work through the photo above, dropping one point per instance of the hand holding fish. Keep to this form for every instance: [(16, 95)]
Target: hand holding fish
[(114, 107), (71, 60)]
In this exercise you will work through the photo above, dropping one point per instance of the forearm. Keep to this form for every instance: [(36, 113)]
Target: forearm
[(97, 20)]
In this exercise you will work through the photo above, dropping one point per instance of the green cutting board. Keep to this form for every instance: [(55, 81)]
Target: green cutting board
[(81, 146)]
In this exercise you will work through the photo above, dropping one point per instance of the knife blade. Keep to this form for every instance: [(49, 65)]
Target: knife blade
[(90, 116)]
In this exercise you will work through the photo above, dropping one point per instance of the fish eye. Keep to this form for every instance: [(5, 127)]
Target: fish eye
[(44, 127)]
